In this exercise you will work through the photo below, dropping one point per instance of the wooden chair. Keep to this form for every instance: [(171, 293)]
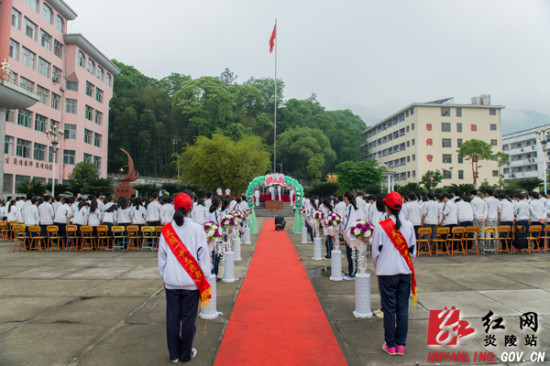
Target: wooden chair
[(423, 242), (471, 239), (4, 229), (489, 239), (546, 238), (456, 240), (19, 236), (12, 233), (504, 237), (149, 238), (54, 241), (119, 237), (72, 239), (533, 240), (134, 240), (36, 240), (441, 236), (158, 233), (103, 237), (87, 239)]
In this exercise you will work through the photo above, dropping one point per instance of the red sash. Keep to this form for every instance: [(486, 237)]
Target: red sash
[(401, 245), (188, 262)]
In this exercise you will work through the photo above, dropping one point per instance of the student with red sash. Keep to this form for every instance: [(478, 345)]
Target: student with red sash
[(184, 266), (393, 247)]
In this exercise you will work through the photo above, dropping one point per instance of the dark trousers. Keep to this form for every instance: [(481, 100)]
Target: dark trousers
[(328, 245), (309, 230), (416, 227), (506, 223), (352, 268), (181, 317), (394, 296), (215, 262), (466, 223), (154, 223)]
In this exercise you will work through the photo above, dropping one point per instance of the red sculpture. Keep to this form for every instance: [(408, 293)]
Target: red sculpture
[(125, 189)]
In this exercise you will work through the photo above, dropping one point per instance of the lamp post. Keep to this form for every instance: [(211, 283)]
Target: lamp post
[(543, 135), (54, 135)]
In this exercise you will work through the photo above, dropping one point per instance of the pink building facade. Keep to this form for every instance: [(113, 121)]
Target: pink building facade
[(74, 84)]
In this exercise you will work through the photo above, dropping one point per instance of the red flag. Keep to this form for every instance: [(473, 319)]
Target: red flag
[(272, 39)]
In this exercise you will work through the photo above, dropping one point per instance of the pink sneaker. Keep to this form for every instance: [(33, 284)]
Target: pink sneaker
[(400, 350), (389, 350)]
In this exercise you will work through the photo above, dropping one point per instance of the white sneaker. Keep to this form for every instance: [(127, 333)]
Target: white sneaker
[(193, 352), (348, 278), (175, 361)]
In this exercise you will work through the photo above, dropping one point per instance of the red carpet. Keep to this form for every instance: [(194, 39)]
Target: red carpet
[(277, 319)]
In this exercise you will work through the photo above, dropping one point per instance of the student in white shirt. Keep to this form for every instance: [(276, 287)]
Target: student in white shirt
[(492, 208), (480, 209), (412, 212), (63, 216), (464, 211), (449, 213), (505, 211), (166, 211), (108, 213), (522, 210), (208, 200), (80, 218), (348, 220), (138, 213), (214, 211), (537, 212), (430, 214), (200, 213), (46, 213), (153, 211), (94, 215), (123, 214), (12, 214)]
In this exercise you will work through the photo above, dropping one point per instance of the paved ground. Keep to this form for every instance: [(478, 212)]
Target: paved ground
[(108, 308)]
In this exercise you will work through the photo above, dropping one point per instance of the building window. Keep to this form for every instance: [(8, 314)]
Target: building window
[(40, 122), (43, 67), (14, 50), (39, 152), (459, 127), (458, 142), (446, 143), (69, 131), (495, 173), (56, 75), (8, 183), (50, 154), (44, 95), (446, 174), (461, 174), (494, 142), (445, 127), (29, 28), (89, 89), (26, 84), (493, 126), (87, 158), (59, 23), (8, 145), (28, 58), (33, 4), (15, 19), (23, 148), (10, 116), (71, 85), (460, 159), (99, 95), (55, 101), (99, 73), (447, 158), (70, 106), (492, 111), (68, 157), (80, 59), (90, 66), (97, 162), (57, 49), (459, 112), (45, 40), (88, 135), (98, 117), (97, 139), (445, 111), (89, 113), (25, 118), (108, 79)]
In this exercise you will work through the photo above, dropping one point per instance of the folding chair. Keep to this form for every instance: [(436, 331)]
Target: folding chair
[(504, 237), (87, 239), (12, 233), (158, 233), (103, 238), (489, 239), (546, 238), (424, 241), (440, 240), (149, 238), (119, 237), (36, 240), (54, 241), (18, 231), (134, 240), (72, 237), (456, 240), (471, 239), (4, 229), (533, 240)]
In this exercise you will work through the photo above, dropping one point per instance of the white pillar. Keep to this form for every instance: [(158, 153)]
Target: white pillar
[(362, 296), (229, 267), (336, 265), (247, 235), (317, 249), (210, 311), (304, 235), (237, 248)]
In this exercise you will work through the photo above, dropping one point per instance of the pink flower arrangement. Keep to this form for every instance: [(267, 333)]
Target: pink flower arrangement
[(303, 211), (212, 230), (361, 228), (333, 219), (318, 215), (228, 220)]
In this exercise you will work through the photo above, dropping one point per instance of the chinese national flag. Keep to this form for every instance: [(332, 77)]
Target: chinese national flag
[(272, 39)]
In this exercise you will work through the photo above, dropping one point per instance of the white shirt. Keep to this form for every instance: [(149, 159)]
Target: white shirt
[(464, 211), (56, 205), (63, 213), (153, 211), (386, 258), (124, 216), (227, 191), (81, 216), (200, 214), (46, 212), (108, 217), (340, 209), (536, 211), (506, 210), (413, 213), (215, 216), (12, 215), (492, 207), (166, 213), (138, 215), (94, 218), (360, 212), (172, 273), (348, 220), (522, 210), (30, 215), (430, 211), (479, 207), (450, 212), (219, 191)]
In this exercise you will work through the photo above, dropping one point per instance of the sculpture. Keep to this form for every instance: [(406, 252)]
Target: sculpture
[(125, 189)]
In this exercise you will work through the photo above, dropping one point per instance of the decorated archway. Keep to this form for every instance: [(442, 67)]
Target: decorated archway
[(275, 179)]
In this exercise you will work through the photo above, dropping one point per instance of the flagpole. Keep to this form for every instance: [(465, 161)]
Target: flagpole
[(275, 108)]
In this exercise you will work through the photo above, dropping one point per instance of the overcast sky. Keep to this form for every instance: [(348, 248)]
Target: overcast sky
[(371, 56)]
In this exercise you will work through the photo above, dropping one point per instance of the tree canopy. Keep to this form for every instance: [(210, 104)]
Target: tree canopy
[(475, 150), (365, 175)]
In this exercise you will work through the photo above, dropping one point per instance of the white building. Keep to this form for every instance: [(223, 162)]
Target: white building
[(527, 159)]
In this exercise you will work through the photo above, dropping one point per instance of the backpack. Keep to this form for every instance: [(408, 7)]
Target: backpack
[(520, 238)]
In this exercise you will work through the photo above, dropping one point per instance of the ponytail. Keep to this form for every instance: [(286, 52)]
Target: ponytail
[(397, 221), (179, 216)]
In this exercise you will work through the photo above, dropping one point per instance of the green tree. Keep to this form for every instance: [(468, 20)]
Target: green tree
[(83, 174), (32, 186), (527, 184), (363, 175), (475, 150), (502, 159), (431, 179), (102, 186), (228, 77), (222, 162)]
